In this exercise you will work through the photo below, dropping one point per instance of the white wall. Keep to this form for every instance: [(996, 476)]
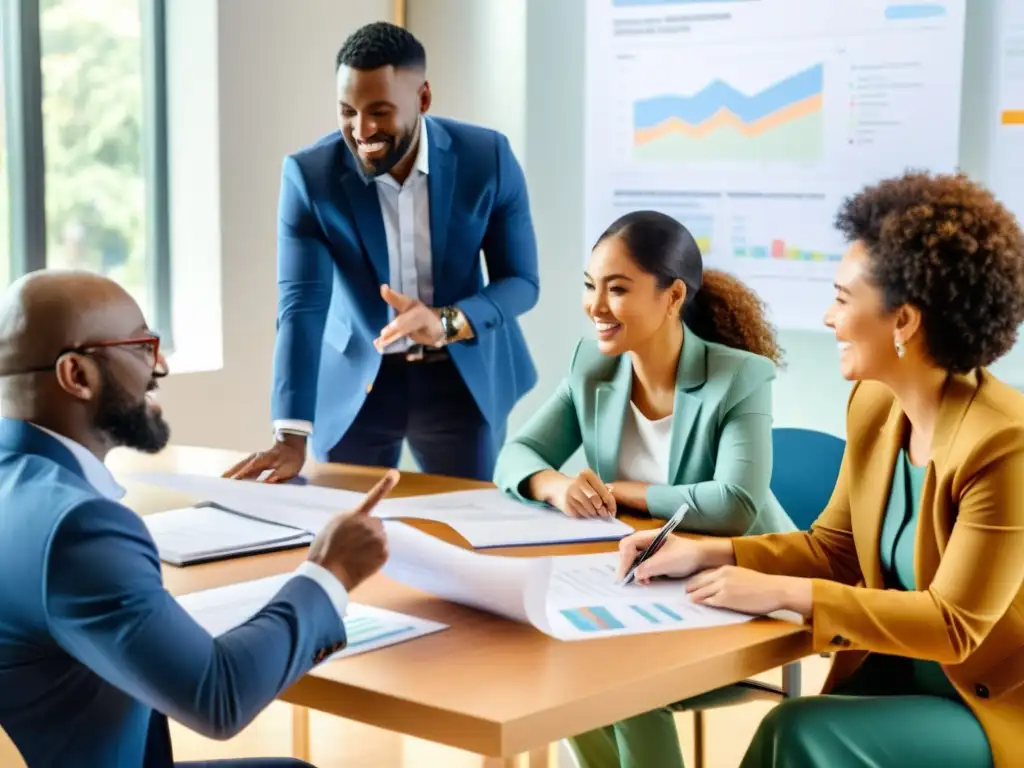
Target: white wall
[(273, 61), (515, 65)]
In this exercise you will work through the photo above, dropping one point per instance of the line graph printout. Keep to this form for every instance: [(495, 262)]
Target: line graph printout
[(750, 122)]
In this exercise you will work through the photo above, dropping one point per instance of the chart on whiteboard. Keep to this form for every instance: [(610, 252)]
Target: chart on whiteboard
[(751, 122), (1007, 171)]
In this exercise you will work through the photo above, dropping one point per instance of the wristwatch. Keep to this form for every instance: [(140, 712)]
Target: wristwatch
[(451, 322)]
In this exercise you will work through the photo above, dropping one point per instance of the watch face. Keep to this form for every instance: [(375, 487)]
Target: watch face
[(448, 323)]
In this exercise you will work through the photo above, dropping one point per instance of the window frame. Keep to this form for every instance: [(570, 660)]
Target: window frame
[(26, 162)]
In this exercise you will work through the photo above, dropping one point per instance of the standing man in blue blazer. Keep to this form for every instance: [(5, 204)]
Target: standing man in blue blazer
[(94, 653), (386, 329)]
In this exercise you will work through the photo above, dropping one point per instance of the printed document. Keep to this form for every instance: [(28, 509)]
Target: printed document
[(484, 518), (573, 597), (366, 628)]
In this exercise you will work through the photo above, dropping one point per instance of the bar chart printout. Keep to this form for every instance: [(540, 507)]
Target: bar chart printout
[(366, 628), (585, 600)]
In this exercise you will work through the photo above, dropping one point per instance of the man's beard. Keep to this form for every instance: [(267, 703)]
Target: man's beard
[(399, 149), (129, 424)]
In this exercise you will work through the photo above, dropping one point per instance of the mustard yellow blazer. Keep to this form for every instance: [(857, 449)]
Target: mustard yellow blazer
[(968, 555)]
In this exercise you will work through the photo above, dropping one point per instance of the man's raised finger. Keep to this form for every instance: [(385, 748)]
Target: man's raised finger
[(373, 497)]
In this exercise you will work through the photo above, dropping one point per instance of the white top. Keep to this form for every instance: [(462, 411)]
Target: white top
[(101, 478), (405, 209), (644, 450)]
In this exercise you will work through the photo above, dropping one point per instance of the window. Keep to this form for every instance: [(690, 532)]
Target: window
[(84, 83)]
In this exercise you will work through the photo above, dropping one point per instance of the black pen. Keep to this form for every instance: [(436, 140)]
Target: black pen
[(656, 543)]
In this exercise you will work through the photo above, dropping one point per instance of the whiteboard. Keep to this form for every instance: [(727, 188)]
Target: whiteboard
[(751, 120), (1006, 172)]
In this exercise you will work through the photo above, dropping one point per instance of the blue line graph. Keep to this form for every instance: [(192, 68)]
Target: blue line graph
[(720, 95)]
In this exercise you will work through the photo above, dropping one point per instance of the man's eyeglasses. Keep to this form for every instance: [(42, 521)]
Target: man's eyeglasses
[(149, 344)]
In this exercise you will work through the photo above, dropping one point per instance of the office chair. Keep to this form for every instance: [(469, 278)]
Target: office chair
[(805, 467)]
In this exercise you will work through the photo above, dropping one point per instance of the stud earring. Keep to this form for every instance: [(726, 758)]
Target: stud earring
[(900, 349)]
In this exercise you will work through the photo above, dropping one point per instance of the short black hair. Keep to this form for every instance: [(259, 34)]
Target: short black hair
[(945, 245), (381, 44)]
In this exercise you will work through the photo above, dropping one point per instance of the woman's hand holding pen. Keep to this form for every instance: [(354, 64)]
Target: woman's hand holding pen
[(716, 580)]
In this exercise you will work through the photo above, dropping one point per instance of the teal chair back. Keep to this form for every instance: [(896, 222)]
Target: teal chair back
[(805, 465)]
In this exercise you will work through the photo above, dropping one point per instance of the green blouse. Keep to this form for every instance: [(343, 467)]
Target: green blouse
[(899, 533)]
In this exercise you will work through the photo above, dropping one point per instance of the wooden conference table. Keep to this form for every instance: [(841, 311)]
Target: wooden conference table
[(486, 685)]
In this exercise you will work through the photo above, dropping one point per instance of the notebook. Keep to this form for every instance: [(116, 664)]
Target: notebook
[(207, 532)]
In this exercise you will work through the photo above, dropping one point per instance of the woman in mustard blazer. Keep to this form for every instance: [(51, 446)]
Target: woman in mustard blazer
[(672, 405), (914, 573)]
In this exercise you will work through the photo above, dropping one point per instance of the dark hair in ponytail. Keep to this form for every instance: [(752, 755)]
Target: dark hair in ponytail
[(718, 307)]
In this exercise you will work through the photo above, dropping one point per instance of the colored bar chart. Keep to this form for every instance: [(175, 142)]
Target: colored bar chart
[(779, 249), (602, 618), (364, 630), (592, 619), (657, 613)]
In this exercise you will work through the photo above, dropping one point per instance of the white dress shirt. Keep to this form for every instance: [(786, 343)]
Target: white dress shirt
[(100, 478), (405, 209), (644, 450)]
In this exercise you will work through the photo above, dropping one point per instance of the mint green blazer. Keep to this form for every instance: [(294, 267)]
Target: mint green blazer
[(721, 444)]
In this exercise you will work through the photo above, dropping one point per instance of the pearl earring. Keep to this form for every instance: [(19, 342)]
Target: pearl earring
[(900, 349)]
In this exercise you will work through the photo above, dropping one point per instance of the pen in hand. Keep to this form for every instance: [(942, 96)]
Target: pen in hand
[(656, 543)]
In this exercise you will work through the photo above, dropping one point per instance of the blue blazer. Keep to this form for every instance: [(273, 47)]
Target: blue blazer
[(333, 258), (95, 653)]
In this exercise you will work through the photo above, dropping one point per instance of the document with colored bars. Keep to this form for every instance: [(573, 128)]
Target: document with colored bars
[(366, 628), (575, 597)]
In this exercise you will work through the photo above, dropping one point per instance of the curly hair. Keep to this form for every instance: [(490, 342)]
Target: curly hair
[(718, 308), (726, 311), (945, 245), (381, 44)]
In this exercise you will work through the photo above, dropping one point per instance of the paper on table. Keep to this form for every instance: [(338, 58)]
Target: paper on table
[(442, 569), (301, 506), (367, 628), (194, 534), (488, 518), (568, 598), (485, 518), (585, 600)]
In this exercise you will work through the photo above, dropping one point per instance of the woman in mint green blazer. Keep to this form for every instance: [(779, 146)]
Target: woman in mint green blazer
[(672, 404)]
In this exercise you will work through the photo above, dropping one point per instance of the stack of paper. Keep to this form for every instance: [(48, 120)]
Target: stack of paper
[(488, 518), (207, 532), (366, 628), (484, 518)]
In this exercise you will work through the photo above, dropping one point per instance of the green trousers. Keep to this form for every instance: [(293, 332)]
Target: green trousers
[(876, 720)]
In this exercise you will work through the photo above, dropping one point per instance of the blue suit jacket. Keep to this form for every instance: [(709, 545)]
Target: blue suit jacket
[(333, 258), (94, 652)]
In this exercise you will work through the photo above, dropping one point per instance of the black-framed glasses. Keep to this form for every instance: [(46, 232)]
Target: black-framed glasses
[(150, 344)]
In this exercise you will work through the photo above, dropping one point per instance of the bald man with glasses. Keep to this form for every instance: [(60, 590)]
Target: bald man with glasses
[(95, 654)]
